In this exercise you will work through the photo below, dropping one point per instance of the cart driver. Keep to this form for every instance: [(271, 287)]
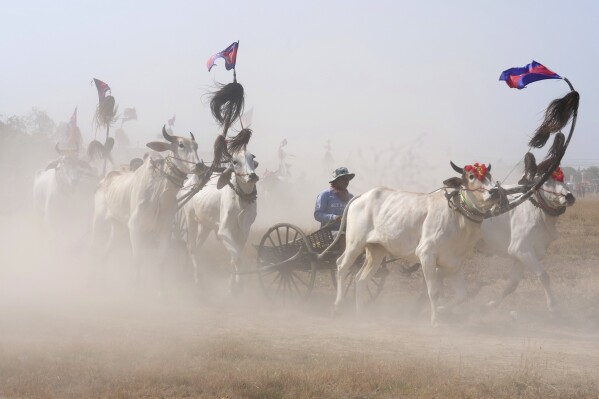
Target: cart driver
[(331, 202)]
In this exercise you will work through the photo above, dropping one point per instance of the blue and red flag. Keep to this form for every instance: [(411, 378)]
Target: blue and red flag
[(129, 114), (518, 78), (229, 54), (102, 87)]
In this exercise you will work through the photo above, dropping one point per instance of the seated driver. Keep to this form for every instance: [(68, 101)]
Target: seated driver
[(331, 202)]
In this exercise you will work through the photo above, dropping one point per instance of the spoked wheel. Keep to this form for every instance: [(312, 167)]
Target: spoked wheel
[(285, 265), (375, 284)]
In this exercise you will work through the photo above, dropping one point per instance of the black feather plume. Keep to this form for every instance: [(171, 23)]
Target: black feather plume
[(530, 166), (106, 112), (226, 104), (95, 151), (220, 150), (240, 141), (557, 115), (554, 155)]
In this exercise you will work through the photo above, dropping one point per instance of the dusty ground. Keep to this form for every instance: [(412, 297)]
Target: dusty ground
[(64, 336)]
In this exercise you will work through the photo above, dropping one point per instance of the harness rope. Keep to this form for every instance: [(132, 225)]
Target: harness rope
[(177, 178), (540, 203), (247, 197)]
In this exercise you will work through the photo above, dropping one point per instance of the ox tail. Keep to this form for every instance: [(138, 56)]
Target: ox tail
[(342, 226), (557, 115)]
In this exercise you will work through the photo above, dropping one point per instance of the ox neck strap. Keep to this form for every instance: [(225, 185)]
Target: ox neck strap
[(247, 197), (538, 201), (172, 173), (457, 201)]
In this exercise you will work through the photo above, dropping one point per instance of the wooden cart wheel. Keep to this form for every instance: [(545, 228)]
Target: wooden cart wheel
[(286, 267), (375, 285)]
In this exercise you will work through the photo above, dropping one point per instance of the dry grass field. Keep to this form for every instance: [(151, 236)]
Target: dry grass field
[(62, 336)]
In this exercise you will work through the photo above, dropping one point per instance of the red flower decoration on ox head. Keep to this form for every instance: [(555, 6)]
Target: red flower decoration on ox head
[(478, 170), (558, 174)]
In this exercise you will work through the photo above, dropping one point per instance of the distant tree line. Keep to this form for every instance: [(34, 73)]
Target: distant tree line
[(589, 174), (36, 123)]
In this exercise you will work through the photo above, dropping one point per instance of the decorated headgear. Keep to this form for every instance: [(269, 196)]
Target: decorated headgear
[(558, 174), (478, 170)]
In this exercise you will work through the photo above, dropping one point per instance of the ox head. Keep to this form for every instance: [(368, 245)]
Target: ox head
[(476, 182), (554, 191), (69, 168), (183, 152), (242, 163)]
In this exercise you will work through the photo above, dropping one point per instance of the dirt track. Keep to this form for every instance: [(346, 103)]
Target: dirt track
[(62, 337)]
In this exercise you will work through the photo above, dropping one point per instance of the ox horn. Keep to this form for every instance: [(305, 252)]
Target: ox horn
[(457, 168), (167, 136), (489, 168), (192, 137)]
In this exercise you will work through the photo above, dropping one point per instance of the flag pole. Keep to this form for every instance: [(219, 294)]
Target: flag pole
[(106, 141)]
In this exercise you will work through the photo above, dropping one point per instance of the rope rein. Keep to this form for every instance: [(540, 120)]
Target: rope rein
[(177, 178)]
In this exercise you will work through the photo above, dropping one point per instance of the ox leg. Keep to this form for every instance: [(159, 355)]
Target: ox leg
[(193, 245), (531, 261), (138, 249), (433, 283), (515, 277), (163, 246), (458, 283), (374, 256), (234, 250), (192, 233), (344, 265)]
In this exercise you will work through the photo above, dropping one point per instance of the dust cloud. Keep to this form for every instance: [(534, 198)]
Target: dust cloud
[(72, 325)]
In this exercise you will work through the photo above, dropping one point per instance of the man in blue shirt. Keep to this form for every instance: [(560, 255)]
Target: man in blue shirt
[(331, 202)]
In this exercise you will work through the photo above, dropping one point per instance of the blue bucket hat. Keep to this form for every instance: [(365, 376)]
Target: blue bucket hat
[(340, 172)]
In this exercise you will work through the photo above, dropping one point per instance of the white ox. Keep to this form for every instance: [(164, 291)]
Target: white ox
[(144, 202), (524, 234), (432, 229), (227, 208), (57, 192)]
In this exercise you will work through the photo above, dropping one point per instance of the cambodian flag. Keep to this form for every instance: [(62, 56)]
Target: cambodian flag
[(229, 54), (129, 114), (519, 77), (102, 87)]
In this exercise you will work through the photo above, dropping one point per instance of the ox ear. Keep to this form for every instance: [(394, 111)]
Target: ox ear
[(256, 163), (224, 178), (453, 182), (159, 146)]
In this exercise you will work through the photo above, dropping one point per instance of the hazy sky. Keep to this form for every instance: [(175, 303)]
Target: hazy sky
[(361, 73)]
